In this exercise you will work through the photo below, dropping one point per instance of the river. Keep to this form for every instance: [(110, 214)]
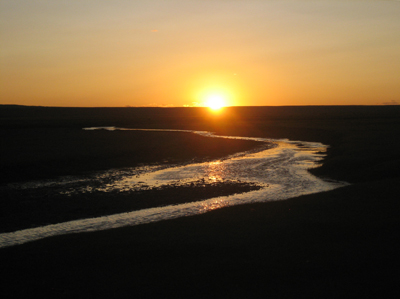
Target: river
[(280, 168)]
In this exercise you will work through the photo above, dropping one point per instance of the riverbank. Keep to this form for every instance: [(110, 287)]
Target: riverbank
[(30, 208), (341, 243)]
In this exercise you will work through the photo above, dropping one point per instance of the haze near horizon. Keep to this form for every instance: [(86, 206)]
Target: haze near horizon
[(184, 53)]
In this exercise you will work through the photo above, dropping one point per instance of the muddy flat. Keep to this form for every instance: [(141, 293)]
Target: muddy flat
[(340, 243)]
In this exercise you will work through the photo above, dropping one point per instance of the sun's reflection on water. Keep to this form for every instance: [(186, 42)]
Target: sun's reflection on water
[(216, 171)]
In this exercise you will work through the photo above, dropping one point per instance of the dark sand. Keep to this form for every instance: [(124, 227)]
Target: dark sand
[(22, 209), (342, 243)]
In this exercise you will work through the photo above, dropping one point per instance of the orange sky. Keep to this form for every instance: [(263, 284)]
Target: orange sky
[(177, 53)]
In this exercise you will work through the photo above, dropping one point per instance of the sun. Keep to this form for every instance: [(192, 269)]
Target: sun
[(215, 102)]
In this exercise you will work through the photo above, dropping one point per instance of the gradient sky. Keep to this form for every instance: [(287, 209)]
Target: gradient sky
[(175, 53)]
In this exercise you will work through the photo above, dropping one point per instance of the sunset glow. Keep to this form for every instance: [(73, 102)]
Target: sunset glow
[(126, 53)]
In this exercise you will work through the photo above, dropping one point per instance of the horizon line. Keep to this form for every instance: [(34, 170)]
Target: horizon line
[(174, 107)]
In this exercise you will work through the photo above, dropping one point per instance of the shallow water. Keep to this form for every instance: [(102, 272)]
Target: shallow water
[(280, 167)]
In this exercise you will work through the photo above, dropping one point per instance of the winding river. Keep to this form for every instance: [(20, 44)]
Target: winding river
[(280, 168)]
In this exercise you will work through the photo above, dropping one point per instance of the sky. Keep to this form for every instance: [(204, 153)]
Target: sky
[(176, 53)]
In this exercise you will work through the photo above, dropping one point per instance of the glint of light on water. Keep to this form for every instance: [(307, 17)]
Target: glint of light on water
[(215, 171)]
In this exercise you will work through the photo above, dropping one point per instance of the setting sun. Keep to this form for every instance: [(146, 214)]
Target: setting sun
[(215, 102)]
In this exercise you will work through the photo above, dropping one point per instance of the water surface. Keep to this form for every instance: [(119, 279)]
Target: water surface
[(279, 167)]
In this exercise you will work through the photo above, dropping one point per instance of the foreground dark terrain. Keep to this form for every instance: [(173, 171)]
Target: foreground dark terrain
[(342, 243)]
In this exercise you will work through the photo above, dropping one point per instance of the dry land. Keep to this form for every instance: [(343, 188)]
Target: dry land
[(342, 243)]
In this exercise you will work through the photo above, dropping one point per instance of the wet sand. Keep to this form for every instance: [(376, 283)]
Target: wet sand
[(341, 243)]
